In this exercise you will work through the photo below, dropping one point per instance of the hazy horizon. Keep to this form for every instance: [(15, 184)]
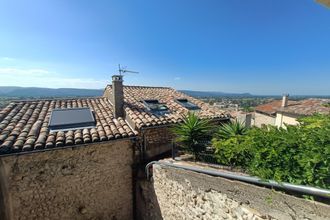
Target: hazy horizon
[(188, 90)]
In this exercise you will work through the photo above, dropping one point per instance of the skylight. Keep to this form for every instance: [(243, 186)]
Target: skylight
[(155, 107), (71, 118), (188, 105)]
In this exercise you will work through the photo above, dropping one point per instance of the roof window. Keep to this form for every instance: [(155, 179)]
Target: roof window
[(155, 106), (71, 118), (188, 105)]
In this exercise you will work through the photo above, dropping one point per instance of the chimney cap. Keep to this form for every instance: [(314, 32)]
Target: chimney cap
[(117, 78), (285, 100)]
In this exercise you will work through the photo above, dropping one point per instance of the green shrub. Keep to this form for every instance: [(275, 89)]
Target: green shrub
[(192, 133), (297, 154), (229, 148), (231, 129), (233, 151)]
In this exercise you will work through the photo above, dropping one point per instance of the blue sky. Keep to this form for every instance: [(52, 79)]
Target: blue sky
[(256, 46)]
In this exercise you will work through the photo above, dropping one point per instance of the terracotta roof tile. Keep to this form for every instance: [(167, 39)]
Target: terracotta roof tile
[(24, 125), (302, 107), (138, 113), (308, 107), (272, 107)]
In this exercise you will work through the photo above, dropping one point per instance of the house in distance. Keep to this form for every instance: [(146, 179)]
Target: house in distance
[(285, 111)]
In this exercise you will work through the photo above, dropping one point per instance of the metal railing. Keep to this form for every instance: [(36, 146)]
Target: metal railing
[(205, 156), (301, 189), (209, 158)]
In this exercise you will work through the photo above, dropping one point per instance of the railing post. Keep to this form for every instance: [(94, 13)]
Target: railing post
[(173, 150)]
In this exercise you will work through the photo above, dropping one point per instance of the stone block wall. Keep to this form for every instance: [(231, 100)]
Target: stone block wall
[(285, 118), (84, 182), (262, 119), (157, 141), (180, 194)]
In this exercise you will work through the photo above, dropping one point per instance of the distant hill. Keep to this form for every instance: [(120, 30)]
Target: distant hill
[(207, 94), (214, 94), (34, 92)]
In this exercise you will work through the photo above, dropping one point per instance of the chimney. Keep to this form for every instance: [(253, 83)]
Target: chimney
[(117, 96), (285, 100)]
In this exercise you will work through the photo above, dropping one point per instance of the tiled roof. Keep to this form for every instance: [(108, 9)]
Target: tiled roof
[(302, 107), (272, 107), (141, 117), (308, 107), (324, 2), (24, 125)]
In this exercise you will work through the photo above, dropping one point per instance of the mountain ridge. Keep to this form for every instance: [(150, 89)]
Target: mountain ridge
[(40, 92), (214, 94), (15, 91)]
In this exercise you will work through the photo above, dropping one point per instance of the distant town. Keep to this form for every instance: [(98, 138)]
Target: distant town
[(227, 101)]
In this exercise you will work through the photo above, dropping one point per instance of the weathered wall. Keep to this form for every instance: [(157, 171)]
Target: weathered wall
[(261, 119), (157, 141), (245, 118), (283, 118), (85, 182), (179, 194)]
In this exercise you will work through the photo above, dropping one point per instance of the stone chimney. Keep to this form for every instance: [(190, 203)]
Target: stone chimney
[(117, 96), (285, 100)]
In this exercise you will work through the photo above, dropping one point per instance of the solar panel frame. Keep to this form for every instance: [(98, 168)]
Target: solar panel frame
[(71, 119), (187, 104), (155, 107)]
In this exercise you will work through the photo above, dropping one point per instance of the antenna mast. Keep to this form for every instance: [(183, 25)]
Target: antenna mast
[(123, 70)]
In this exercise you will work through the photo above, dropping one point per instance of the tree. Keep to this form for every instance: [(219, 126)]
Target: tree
[(193, 133), (231, 129)]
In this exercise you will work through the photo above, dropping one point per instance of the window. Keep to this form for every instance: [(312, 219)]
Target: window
[(155, 107), (71, 118), (188, 105)]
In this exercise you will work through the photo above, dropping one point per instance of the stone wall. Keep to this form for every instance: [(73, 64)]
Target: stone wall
[(84, 182), (244, 118), (262, 119), (179, 194), (157, 141), (285, 118)]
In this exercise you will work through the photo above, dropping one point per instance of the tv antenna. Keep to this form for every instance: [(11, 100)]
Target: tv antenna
[(123, 70)]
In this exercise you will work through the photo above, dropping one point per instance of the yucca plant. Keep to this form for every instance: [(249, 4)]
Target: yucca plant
[(192, 133), (231, 129)]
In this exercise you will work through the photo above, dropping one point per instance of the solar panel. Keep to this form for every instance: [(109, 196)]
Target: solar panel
[(185, 103), (71, 118), (155, 107)]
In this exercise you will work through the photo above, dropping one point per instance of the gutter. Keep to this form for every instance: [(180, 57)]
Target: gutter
[(156, 126), (133, 138), (301, 189), (267, 114), (143, 128)]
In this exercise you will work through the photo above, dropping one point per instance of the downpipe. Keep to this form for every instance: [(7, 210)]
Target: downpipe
[(305, 190)]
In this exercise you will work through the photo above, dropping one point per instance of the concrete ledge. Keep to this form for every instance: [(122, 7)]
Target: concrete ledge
[(183, 194)]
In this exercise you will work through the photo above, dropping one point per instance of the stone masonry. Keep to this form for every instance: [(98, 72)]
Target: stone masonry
[(157, 141), (262, 119), (180, 194), (85, 182)]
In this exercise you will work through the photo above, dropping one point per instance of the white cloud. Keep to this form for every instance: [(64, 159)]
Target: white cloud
[(7, 59), (24, 72), (37, 77), (177, 78)]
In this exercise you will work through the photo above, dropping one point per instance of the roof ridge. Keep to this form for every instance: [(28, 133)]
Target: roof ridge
[(158, 87), (57, 99)]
